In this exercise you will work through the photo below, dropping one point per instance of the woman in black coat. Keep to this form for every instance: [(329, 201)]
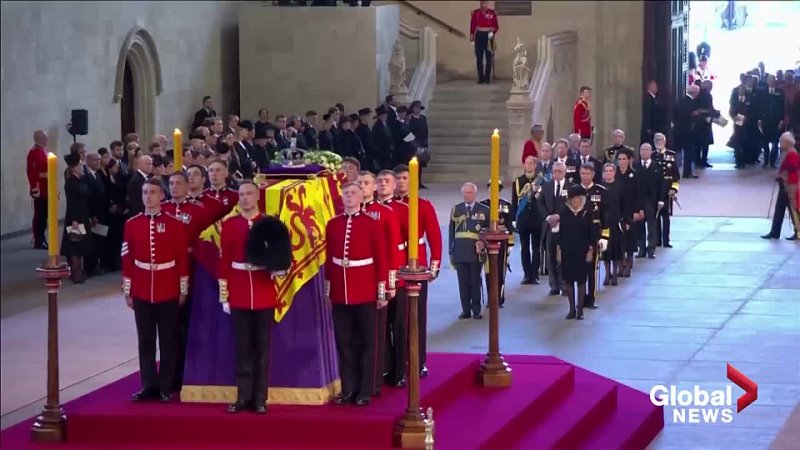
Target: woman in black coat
[(613, 216), (631, 209), (76, 242), (114, 186), (575, 237), (419, 126)]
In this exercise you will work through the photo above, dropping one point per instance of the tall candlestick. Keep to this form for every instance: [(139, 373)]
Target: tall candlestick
[(413, 209), (52, 204), (494, 190), (177, 152)]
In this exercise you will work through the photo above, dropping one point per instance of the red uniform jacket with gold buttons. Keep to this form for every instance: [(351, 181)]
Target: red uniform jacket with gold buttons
[(215, 207), (355, 264), (155, 258), (429, 229), (582, 119), (482, 18), (241, 284), (227, 196), (395, 251), (193, 214), (37, 170)]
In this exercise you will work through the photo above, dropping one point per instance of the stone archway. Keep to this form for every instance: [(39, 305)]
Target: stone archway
[(140, 54)]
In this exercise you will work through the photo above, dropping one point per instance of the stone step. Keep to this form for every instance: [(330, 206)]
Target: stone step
[(483, 130), (453, 159), (472, 85), (465, 106), (463, 170), (451, 177), (458, 150), (449, 97), (458, 120)]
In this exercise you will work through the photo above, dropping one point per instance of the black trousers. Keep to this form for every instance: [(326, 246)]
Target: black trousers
[(782, 204), (184, 312), (553, 271), (397, 337), (702, 157), (770, 146), (156, 320), (591, 279), (648, 237), (469, 287), (39, 224), (529, 239), (482, 52), (503, 263), (383, 344), (422, 316), (686, 143), (663, 223), (355, 328), (251, 333)]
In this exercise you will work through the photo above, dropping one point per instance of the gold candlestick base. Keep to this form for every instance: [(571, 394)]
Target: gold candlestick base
[(494, 371), (50, 425)]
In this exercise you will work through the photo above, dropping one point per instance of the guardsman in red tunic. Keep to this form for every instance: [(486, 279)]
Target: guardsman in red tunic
[(196, 176), (219, 190), (356, 269), (155, 280), (430, 231), (37, 183), (247, 292), (394, 240), (582, 114), (483, 27)]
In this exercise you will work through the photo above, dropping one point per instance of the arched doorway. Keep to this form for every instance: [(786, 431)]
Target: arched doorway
[(127, 109), (137, 84)]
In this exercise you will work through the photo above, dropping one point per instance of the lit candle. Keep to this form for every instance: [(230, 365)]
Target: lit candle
[(494, 190), (413, 209), (52, 204), (177, 146)]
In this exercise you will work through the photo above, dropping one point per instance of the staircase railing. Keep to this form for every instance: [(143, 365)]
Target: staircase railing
[(423, 82), (541, 87), (421, 12)]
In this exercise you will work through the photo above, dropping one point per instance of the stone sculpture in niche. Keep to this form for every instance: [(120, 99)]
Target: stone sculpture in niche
[(397, 70), (522, 73)]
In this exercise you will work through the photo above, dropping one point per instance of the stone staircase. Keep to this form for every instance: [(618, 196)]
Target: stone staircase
[(461, 119)]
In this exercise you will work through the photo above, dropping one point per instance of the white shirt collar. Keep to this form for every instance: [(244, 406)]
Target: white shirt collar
[(143, 174)]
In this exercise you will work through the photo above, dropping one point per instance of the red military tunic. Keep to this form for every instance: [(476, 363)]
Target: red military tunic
[(37, 170), (215, 206), (193, 214), (356, 263), (155, 258), (227, 196), (429, 228), (395, 245), (241, 284), (482, 18), (582, 119)]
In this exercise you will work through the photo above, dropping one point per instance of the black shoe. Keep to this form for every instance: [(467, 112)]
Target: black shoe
[(165, 398), (641, 255), (651, 256), (400, 384), (144, 395), (480, 82), (773, 166), (477, 316), (765, 165), (667, 246), (260, 408), (362, 400), (570, 315), (769, 236), (526, 280), (579, 316), (535, 281), (424, 371), (707, 165), (236, 408), (591, 305), (40, 246), (791, 238), (344, 398), (376, 392), (554, 291), (463, 316)]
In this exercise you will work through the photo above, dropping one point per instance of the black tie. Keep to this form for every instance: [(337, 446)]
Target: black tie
[(558, 190)]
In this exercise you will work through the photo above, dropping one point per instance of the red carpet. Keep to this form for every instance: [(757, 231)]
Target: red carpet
[(550, 405)]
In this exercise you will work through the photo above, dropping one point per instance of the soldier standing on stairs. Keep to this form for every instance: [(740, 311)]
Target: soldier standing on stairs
[(506, 219), (483, 27)]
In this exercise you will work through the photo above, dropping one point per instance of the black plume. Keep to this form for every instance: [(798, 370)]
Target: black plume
[(269, 245)]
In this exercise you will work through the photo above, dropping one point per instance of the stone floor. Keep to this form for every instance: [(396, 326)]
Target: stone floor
[(720, 295)]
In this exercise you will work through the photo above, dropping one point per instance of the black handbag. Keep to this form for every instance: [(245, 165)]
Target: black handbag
[(423, 156)]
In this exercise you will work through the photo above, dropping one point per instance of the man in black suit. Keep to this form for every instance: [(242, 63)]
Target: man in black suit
[(391, 108), (552, 197), (98, 208), (382, 138), (364, 133), (652, 198), (683, 130), (281, 133), (652, 115), (405, 146), (310, 131), (207, 111), (771, 111), (144, 168), (585, 157), (561, 153), (293, 131)]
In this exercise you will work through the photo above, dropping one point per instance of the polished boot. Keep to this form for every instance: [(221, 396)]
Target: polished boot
[(581, 299), (607, 267), (615, 273), (75, 269), (628, 266), (570, 290)]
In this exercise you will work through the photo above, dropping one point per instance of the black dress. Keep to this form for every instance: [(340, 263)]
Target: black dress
[(115, 201), (628, 181), (575, 237), (613, 199), (77, 194), (419, 126)]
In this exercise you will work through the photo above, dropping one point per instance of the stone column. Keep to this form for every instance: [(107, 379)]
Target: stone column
[(520, 119)]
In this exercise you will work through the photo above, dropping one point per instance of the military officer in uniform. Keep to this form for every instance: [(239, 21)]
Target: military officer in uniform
[(467, 219), (582, 114), (155, 280), (528, 221), (618, 142), (595, 194), (483, 27), (355, 273), (219, 190), (506, 219), (668, 161)]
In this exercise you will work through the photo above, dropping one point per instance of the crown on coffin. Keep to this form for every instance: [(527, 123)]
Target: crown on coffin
[(293, 156)]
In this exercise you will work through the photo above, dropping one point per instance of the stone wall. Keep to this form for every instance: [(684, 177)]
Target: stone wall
[(295, 59), (58, 56)]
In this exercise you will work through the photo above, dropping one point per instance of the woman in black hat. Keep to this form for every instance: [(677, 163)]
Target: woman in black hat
[(614, 200), (632, 209), (76, 242), (575, 237), (419, 126)]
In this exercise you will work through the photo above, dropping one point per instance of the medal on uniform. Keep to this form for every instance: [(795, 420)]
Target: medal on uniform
[(630, 175), (477, 227), (669, 165), (161, 227), (225, 201), (186, 218)]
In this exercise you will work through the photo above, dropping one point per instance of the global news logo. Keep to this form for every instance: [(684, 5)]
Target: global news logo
[(697, 405)]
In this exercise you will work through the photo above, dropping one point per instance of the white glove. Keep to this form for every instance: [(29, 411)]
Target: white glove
[(660, 205), (226, 308), (602, 244), (491, 34)]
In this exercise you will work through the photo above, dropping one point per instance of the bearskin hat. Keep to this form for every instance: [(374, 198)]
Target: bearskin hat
[(269, 245), (703, 49)]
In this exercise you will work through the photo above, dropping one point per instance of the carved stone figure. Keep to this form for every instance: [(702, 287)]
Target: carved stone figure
[(397, 70), (522, 73)]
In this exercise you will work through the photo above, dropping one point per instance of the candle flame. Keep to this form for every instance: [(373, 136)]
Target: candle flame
[(496, 132), (177, 131), (414, 160)]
